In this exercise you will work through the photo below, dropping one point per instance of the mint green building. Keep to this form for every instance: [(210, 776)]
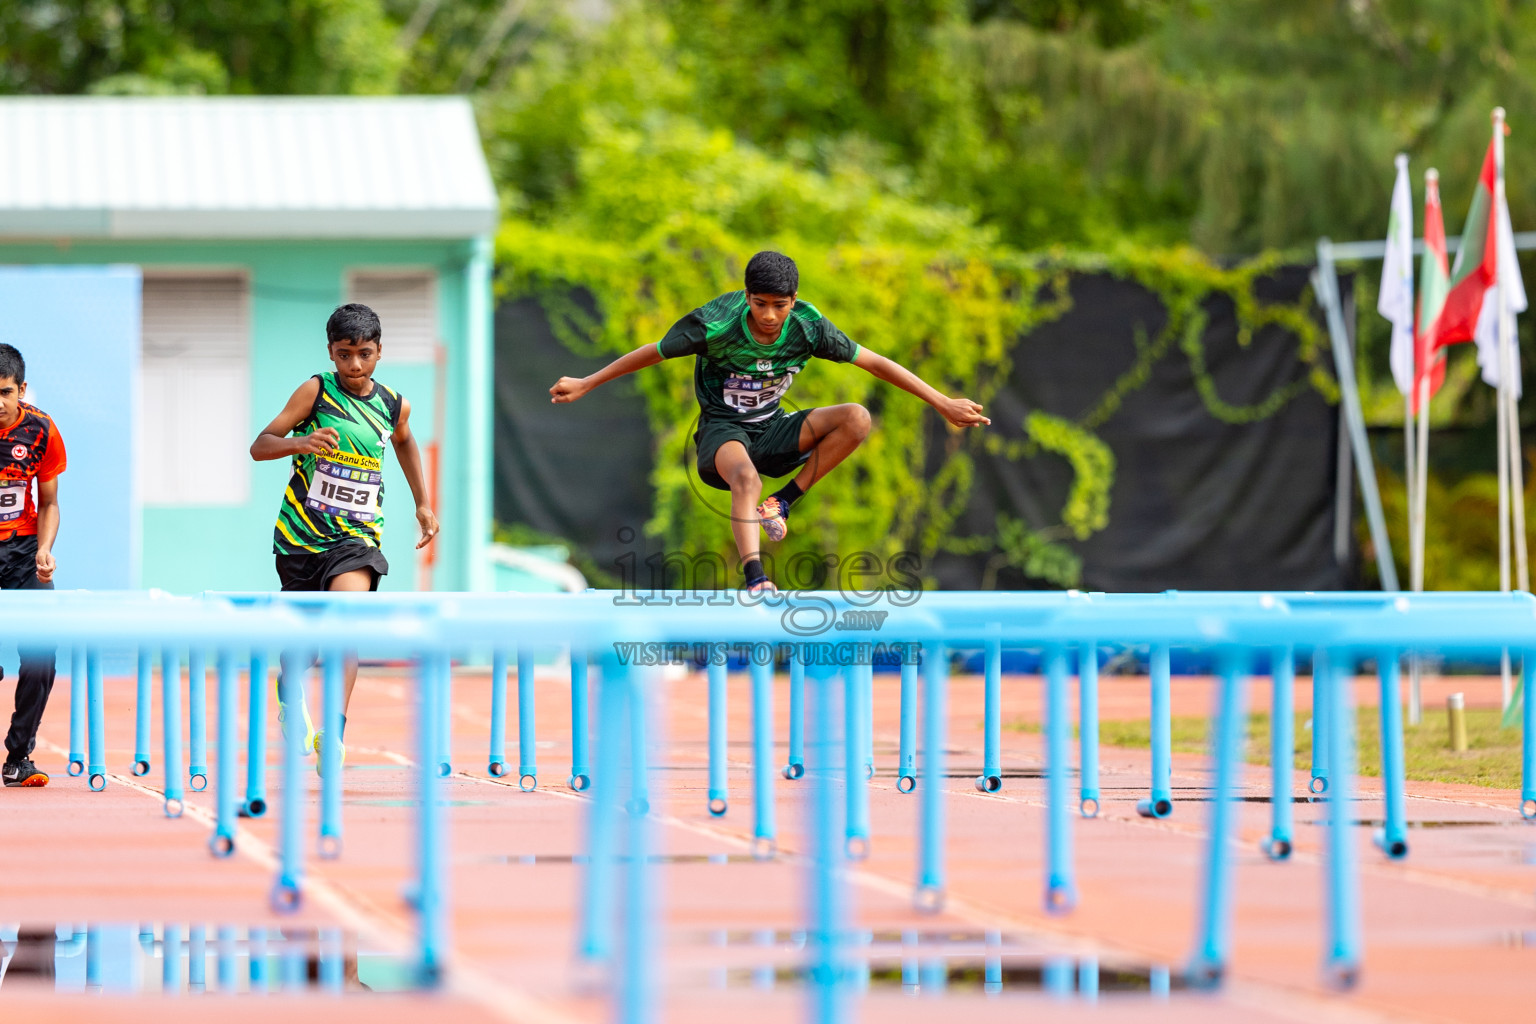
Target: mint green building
[(251, 219)]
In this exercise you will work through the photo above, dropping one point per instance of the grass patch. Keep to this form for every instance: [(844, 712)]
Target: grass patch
[(1492, 758)]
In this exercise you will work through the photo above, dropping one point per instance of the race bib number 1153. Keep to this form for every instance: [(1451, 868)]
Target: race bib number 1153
[(345, 492)]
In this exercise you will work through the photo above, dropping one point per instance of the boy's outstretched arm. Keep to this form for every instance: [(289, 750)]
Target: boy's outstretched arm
[(274, 443), (568, 389), (47, 526), (409, 455), (962, 412)]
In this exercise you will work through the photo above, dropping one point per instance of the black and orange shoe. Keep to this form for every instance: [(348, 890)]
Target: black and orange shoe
[(23, 773), (774, 514)]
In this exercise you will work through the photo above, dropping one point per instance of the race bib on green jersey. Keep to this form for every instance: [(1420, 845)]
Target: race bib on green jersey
[(748, 394), (345, 491)]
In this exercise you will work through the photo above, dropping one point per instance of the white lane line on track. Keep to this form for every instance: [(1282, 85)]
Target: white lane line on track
[(362, 916)]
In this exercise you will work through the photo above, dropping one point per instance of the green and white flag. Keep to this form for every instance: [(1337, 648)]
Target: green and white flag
[(1509, 292), (1395, 301)]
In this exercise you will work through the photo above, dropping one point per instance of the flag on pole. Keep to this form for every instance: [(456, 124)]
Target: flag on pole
[(1395, 302), (1475, 268), (1434, 283), (1508, 293)]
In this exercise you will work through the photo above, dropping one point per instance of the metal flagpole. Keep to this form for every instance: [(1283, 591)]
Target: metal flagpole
[(1511, 493), (1410, 466), (1421, 516), (1325, 283)]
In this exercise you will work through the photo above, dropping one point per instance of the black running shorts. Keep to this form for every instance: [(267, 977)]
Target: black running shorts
[(314, 571), (773, 445)]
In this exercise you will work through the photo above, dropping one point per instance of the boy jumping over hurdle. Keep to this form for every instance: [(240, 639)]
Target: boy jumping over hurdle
[(748, 347), (330, 526), (30, 449)]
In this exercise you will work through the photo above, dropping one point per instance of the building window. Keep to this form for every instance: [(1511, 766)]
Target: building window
[(406, 301), (196, 380)]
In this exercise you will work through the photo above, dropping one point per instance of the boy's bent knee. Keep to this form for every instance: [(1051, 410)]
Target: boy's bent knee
[(859, 421), (743, 477)]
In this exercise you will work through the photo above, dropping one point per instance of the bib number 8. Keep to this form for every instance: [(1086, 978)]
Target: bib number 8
[(13, 500)]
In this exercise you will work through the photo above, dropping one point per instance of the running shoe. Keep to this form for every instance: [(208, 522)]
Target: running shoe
[(320, 752), (23, 773), (309, 723), (774, 517)]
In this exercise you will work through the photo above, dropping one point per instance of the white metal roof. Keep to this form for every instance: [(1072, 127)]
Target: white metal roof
[(242, 167)]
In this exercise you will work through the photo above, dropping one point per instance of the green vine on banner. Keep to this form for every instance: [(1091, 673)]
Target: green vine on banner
[(1093, 468)]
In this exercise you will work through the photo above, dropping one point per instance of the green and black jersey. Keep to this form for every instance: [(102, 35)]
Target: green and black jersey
[(736, 377), (339, 496)]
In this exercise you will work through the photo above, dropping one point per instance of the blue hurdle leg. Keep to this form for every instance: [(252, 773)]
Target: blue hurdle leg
[(992, 971), (637, 976), (443, 717), (1160, 804), (581, 772), (595, 938), (764, 829), (826, 979), (1320, 723), (170, 723), (1215, 945), (719, 794), (498, 758), (78, 712), (256, 962), (98, 723), (867, 713), (170, 959), (333, 679), (1088, 730), (1282, 729), (222, 842), (226, 962), (639, 747), (256, 744), (906, 759), (1342, 967), (197, 958), (527, 731), (1088, 979), (1060, 889), (197, 719), (434, 671), (991, 778), (929, 896), (333, 961), (1393, 836), (142, 712), (857, 784), (1528, 737), (287, 892), (795, 767)]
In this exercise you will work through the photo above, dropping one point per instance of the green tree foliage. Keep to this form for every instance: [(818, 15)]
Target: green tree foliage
[(212, 46), (907, 152)]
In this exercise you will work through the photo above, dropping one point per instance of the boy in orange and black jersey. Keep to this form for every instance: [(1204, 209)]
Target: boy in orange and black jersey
[(30, 449)]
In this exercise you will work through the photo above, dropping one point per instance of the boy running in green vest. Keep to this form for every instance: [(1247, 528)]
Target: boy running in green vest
[(330, 526), (749, 346)]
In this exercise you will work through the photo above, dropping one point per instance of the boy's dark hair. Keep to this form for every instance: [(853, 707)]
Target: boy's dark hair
[(353, 322), (772, 273), (12, 365)]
